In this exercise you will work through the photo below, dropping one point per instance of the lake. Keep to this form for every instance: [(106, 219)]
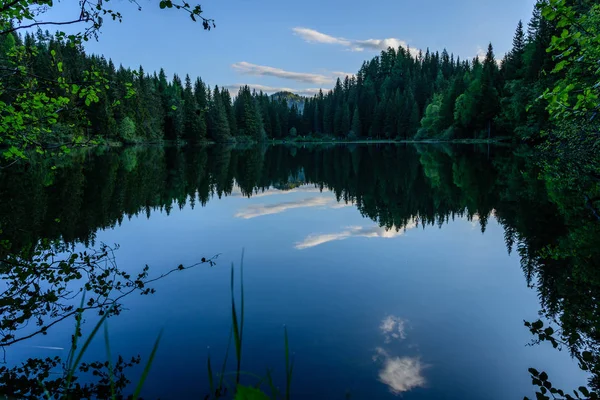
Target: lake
[(398, 270)]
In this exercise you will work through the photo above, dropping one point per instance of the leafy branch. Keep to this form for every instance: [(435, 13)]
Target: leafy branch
[(41, 284)]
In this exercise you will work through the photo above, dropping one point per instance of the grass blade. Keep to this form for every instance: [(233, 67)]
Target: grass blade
[(113, 394), (271, 384), (289, 365), (225, 360), (211, 382), (75, 364), (78, 319), (243, 306), (236, 329), (140, 384)]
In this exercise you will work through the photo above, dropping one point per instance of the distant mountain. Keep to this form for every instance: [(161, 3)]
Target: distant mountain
[(292, 98)]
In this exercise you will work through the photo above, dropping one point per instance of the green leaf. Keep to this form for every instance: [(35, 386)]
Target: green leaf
[(249, 393), (560, 66)]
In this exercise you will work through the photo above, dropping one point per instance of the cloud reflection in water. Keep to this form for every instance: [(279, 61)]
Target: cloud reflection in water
[(400, 374), (259, 210), (353, 231), (237, 191), (393, 328)]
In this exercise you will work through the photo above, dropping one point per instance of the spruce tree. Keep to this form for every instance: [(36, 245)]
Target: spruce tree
[(356, 125), (345, 129), (194, 126), (219, 125), (227, 105), (489, 106)]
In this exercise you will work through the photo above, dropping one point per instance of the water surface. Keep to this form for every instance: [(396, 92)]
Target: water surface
[(397, 270)]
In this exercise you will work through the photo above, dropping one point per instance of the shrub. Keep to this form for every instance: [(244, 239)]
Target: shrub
[(127, 130)]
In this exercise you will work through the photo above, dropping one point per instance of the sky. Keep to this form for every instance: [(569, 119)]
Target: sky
[(299, 46)]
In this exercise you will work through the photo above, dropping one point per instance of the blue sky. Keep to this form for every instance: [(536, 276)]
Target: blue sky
[(301, 45)]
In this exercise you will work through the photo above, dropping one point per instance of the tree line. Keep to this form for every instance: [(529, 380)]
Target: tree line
[(400, 94)]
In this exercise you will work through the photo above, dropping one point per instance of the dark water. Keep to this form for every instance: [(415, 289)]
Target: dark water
[(397, 270)]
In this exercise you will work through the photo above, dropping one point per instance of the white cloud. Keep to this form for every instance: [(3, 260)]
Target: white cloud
[(380, 44), (401, 374), (480, 53), (310, 35), (235, 88), (313, 36), (263, 70), (393, 328), (353, 231), (259, 210)]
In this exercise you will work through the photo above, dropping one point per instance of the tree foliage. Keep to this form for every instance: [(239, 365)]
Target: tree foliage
[(50, 92)]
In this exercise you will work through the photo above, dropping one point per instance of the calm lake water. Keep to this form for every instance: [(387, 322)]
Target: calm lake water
[(397, 270)]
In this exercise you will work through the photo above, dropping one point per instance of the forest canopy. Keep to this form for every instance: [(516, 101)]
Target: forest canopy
[(73, 97)]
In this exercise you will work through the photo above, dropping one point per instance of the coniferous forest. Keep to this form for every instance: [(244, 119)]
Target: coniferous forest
[(400, 94)]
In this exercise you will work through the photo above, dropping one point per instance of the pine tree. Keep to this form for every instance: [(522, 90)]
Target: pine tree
[(219, 125), (227, 105), (200, 94), (338, 129), (356, 125), (513, 64), (258, 133), (489, 94), (413, 122), (345, 129), (194, 126), (390, 124), (519, 40)]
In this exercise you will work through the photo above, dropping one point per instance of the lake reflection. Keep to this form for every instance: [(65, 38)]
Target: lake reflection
[(391, 266)]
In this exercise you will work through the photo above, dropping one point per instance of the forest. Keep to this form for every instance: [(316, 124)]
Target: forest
[(400, 94)]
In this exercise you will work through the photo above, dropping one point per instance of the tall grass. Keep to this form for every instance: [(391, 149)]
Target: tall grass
[(237, 333)]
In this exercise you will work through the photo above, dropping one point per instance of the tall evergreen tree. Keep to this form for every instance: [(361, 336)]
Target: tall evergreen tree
[(219, 125), (194, 125), (356, 129)]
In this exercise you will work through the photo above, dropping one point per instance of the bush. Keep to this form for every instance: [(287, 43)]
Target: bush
[(127, 130)]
